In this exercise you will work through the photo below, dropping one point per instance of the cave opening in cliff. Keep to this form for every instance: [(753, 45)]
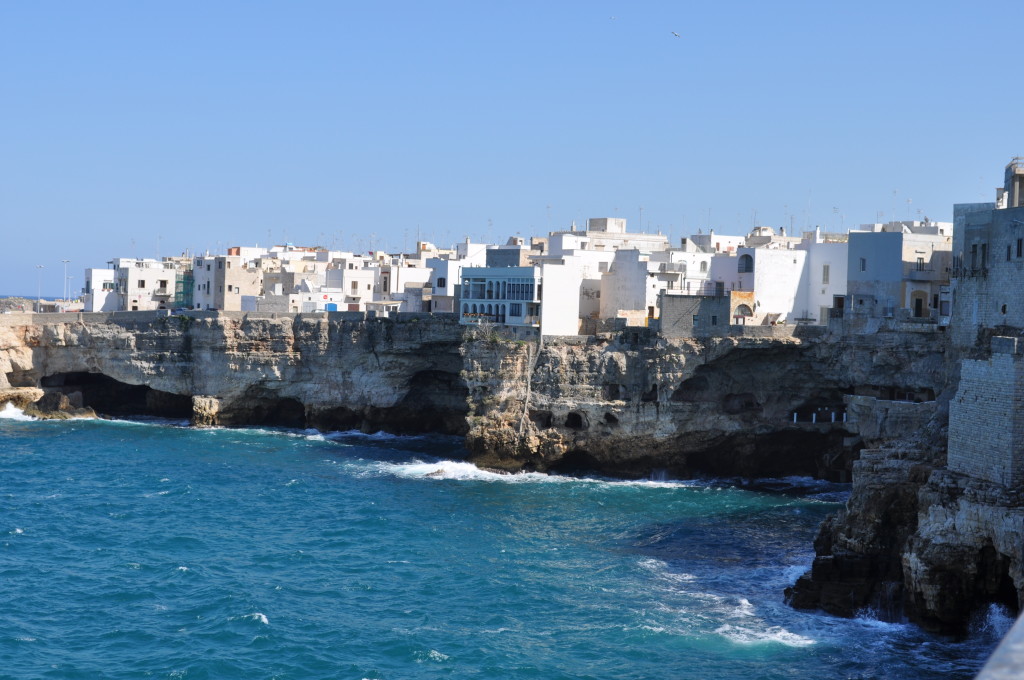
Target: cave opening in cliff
[(995, 582), (264, 407), (577, 462), (111, 397), (576, 421)]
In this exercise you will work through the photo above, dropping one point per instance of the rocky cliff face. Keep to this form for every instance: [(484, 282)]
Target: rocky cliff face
[(300, 371), (722, 406), (914, 538)]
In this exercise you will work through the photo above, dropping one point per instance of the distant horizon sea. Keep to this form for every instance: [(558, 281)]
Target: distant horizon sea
[(136, 549)]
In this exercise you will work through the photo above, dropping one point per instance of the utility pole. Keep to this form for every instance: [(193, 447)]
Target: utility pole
[(65, 290), (39, 288)]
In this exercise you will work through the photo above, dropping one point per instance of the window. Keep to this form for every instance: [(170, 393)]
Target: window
[(142, 284), (974, 256), (920, 264), (704, 266), (1020, 247), (714, 320), (515, 309), (695, 319), (220, 264), (824, 274), (863, 264), (441, 282), (746, 264), (207, 267), (229, 288)]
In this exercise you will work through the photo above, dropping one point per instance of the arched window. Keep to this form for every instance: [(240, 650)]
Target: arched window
[(746, 264), (743, 310), (465, 309), (704, 265), (474, 309)]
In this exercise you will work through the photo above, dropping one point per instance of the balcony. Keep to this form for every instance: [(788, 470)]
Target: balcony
[(912, 273), (163, 292)]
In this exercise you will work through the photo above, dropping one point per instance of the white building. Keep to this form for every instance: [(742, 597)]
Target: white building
[(514, 297), (100, 292), (826, 275), (146, 284), (604, 233)]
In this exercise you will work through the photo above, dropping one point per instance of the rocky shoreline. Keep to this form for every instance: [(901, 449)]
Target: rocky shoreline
[(915, 540)]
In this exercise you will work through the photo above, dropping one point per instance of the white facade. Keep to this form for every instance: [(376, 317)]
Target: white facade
[(514, 297), (825, 278), (145, 284), (100, 292), (716, 243), (624, 287), (775, 276)]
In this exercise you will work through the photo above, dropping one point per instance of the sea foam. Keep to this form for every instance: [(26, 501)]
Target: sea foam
[(12, 412)]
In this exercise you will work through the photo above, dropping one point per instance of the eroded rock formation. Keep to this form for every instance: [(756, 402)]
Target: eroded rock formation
[(915, 539)]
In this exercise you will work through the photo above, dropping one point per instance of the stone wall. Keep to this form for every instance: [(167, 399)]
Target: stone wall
[(986, 428)]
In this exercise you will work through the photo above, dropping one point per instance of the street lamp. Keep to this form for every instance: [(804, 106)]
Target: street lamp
[(39, 288), (65, 290)]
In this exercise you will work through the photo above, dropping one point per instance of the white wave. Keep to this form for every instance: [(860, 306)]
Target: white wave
[(868, 618), (775, 634), (660, 568), (17, 531), (459, 470), (997, 620), (12, 412), (183, 568), (260, 617), (430, 655), (744, 608)]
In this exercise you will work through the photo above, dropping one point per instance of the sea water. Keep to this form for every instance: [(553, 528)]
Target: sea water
[(132, 550)]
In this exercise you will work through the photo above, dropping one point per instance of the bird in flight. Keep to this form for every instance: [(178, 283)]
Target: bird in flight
[(676, 34)]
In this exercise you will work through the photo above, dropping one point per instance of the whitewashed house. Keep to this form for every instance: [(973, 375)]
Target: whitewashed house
[(100, 291)]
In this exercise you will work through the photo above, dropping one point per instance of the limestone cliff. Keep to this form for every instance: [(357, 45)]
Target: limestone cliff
[(915, 536), (723, 406), (236, 369)]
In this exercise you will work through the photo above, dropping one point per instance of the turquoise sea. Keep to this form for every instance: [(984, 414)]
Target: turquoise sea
[(150, 550)]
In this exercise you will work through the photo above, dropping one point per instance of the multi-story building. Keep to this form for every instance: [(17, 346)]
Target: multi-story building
[(900, 269), (514, 297), (147, 284), (227, 282), (988, 260)]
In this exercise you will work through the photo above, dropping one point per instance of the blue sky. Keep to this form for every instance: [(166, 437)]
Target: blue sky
[(132, 129)]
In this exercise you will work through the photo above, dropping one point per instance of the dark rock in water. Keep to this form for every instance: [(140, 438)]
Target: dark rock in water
[(59, 406)]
